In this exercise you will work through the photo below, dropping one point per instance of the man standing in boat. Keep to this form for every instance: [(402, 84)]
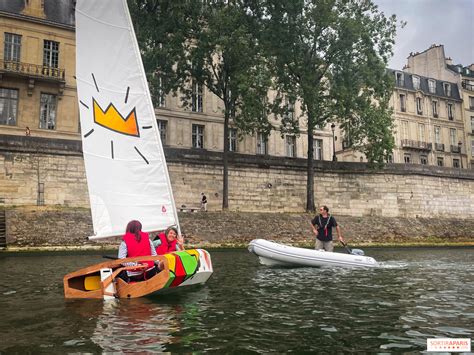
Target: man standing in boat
[(322, 226)]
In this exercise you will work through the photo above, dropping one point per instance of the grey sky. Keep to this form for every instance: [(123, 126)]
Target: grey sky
[(448, 22)]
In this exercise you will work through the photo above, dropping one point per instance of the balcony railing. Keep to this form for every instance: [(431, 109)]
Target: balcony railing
[(465, 84), (408, 143), (439, 147), (455, 149), (30, 69)]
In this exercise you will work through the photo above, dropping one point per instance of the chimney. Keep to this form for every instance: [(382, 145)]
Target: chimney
[(34, 8), (449, 61)]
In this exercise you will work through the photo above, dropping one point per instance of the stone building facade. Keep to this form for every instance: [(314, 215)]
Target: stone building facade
[(37, 67), (433, 62)]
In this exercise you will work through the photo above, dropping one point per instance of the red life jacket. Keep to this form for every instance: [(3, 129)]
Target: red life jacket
[(165, 247), (141, 248)]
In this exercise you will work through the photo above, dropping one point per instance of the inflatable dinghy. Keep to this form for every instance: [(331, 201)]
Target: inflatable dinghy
[(275, 254)]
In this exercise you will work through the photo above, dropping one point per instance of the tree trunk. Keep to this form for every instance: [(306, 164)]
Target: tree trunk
[(225, 177), (310, 169)]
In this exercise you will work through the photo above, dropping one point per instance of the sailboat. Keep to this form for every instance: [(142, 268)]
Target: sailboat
[(125, 165)]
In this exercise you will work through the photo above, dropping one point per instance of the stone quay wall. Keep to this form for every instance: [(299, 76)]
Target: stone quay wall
[(52, 227), (265, 193)]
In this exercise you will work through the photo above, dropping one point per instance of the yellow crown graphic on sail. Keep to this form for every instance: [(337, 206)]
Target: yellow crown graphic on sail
[(113, 120)]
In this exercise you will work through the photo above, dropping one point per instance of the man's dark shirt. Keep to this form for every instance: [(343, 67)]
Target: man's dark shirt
[(320, 222)]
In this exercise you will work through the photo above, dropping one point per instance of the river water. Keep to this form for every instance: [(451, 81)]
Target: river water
[(416, 294)]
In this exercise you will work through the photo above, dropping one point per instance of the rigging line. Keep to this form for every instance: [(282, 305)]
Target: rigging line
[(112, 148), (142, 155), (83, 104), (147, 127)]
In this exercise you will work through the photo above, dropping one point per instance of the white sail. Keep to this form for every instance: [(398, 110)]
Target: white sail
[(125, 164)]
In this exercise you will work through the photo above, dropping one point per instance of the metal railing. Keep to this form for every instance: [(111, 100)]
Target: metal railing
[(439, 147), (408, 143), (455, 149), (32, 69), (467, 86)]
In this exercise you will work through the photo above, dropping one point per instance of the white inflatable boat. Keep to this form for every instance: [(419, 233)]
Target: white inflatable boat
[(275, 254)]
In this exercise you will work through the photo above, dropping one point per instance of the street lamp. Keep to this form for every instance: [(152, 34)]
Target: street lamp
[(460, 153), (333, 128)]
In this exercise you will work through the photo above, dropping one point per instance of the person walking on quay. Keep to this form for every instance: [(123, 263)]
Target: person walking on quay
[(203, 202), (322, 226)]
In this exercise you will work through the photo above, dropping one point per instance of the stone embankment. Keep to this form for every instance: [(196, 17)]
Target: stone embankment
[(67, 228)]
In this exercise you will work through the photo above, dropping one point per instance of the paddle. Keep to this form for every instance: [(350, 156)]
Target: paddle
[(352, 251)]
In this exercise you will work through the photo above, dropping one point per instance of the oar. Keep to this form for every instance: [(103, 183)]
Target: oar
[(346, 247), (352, 251)]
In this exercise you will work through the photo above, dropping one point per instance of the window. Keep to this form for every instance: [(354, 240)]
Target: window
[(403, 105), (456, 163), (453, 137), (318, 149), (400, 79), (232, 139), (450, 112), (8, 106), (407, 158), (440, 161), (472, 147), (196, 100), (471, 102), (390, 158), (419, 105), (198, 136), (51, 54), (437, 134), (421, 132), (12, 48), (472, 124), (290, 146), (416, 82), (290, 109), (423, 159), (48, 111), (261, 143), (160, 98), (162, 125), (447, 89), (432, 86), (434, 104), (404, 129)]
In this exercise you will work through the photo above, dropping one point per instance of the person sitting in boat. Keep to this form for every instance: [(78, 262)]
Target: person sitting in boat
[(168, 242), (322, 226), (138, 243)]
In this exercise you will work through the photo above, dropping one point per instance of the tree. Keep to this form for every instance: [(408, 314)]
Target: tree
[(332, 54), (211, 44)]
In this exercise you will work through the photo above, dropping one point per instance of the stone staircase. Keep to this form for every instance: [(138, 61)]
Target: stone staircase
[(3, 229)]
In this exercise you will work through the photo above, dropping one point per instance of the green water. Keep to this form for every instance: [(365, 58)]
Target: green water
[(415, 294)]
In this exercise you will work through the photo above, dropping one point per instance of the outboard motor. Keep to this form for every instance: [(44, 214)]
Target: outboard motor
[(359, 252)]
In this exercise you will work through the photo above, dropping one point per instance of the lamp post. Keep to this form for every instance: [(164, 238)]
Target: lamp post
[(460, 153), (333, 128)]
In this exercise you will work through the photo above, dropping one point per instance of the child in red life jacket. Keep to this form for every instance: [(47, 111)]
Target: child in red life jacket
[(137, 243), (168, 242)]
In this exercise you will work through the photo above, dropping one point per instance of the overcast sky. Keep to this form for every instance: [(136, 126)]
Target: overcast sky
[(448, 22)]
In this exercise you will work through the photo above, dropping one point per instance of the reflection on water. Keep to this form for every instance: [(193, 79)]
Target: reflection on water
[(413, 295)]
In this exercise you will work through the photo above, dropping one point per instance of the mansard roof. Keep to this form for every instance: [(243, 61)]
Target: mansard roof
[(464, 71), (408, 85), (56, 11)]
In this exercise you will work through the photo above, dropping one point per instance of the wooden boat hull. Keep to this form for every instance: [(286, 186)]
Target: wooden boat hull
[(275, 254), (181, 269)]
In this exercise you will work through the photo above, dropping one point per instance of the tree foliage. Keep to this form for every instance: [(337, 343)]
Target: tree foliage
[(332, 54)]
